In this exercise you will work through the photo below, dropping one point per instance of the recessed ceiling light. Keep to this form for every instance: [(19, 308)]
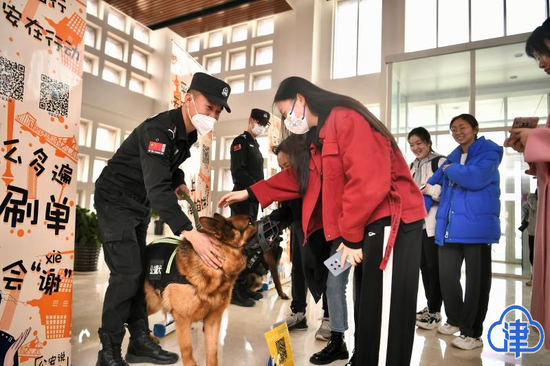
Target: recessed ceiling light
[(518, 55), (513, 77)]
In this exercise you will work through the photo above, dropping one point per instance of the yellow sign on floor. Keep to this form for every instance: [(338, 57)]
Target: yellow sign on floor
[(278, 341)]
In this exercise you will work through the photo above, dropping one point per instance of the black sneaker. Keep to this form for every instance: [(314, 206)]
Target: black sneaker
[(296, 321), (429, 321), (422, 312)]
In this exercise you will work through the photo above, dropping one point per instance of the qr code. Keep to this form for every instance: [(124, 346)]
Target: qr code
[(281, 351), (12, 79), (54, 96)]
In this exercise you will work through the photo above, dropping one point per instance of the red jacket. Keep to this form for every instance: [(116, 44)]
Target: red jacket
[(364, 180)]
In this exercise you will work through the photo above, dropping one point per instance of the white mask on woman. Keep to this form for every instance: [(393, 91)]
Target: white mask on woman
[(202, 122), (257, 130), (294, 124)]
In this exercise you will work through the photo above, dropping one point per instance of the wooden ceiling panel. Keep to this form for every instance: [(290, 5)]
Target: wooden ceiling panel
[(189, 17)]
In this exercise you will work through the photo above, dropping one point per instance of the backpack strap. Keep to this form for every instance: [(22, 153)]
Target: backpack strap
[(435, 163)]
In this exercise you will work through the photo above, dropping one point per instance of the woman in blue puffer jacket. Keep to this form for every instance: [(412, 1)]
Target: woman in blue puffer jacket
[(467, 223)]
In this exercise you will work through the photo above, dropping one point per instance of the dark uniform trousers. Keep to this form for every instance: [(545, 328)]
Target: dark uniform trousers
[(245, 208), (123, 220)]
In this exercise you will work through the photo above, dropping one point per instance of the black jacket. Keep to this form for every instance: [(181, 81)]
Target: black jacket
[(147, 163), (247, 162)]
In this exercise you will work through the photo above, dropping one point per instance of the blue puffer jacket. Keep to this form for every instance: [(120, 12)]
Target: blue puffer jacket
[(470, 198)]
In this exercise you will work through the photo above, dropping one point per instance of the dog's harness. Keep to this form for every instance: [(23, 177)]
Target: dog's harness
[(161, 264)]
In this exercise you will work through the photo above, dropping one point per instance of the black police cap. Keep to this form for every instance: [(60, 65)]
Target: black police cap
[(215, 90), (260, 115)]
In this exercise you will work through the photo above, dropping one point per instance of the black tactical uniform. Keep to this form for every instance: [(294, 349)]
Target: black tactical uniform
[(247, 168), (144, 170)]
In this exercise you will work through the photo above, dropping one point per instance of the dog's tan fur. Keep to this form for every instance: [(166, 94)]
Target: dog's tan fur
[(209, 291)]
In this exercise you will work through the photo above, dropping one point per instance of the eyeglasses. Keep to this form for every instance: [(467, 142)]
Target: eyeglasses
[(456, 130)]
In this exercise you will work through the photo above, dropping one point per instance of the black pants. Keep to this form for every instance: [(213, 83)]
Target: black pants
[(246, 207), (298, 279), (123, 220), (468, 314), (429, 268), (368, 295)]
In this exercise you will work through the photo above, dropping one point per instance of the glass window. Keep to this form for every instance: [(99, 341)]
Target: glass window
[(237, 60), (227, 180), (136, 85), (453, 24), (261, 82), (139, 60), (357, 38), (111, 75), (264, 27), (91, 7), (490, 112), (524, 15), (82, 168), (215, 39), (141, 33), (213, 149), (89, 36), (106, 139), (227, 141), (116, 20), (528, 106), (99, 164), (84, 136), (214, 64), (487, 19), (193, 44), (88, 65), (263, 55), (420, 25), (237, 85), (369, 56), (345, 39), (239, 33), (114, 48)]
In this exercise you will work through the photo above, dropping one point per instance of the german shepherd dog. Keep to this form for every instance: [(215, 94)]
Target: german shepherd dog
[(207, 292)]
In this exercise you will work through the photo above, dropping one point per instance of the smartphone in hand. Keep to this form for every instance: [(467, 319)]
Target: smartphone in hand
[(525, 122)]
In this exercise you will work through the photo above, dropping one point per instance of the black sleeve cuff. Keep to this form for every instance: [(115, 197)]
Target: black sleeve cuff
[(251, 195), (353, 245)]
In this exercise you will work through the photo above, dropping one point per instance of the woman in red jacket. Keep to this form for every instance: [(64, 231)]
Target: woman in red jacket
[(357, 186)]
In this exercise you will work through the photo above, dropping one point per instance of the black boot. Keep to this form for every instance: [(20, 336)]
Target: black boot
[(239, 298), (109, 352), (335, 350), (143, 349)]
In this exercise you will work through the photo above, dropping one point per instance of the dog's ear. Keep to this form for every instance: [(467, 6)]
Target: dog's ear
[(212, 225), (218, 217)]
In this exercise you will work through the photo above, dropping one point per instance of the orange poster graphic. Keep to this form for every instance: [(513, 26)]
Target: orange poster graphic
[(41, 58)]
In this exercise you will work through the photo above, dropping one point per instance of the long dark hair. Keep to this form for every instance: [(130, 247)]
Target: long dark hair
[(535, 43), (422, 134), (297, 149), (321, 102)]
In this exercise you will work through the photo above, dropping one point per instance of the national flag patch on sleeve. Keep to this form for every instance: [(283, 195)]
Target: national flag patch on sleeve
[(237, 147), (156, 148)]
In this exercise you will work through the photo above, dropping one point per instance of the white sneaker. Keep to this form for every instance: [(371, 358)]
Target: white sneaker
[(467, 343), (448, 329), (429, 321), (422, 312), (296, 321), (323, 333)]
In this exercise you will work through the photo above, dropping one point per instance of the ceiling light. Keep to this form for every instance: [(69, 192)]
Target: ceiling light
[(513, 77), (518, 55)]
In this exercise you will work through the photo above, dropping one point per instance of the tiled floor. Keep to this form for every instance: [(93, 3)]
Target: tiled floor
[(242, 339)]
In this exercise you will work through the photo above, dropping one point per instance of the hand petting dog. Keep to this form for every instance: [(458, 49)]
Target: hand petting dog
[(207, 250)]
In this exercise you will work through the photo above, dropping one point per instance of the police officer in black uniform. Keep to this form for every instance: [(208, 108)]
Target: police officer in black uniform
[(247, 162), (247, 168), (143, 172)]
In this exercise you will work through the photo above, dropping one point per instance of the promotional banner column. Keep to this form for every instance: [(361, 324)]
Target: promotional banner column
[(197, 168), (41, 54)]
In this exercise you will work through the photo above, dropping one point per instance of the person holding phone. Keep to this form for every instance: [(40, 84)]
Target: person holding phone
[(535, 144), (357, 186)]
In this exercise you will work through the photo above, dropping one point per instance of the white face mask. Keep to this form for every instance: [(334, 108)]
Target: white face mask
[(257, 130), (294, 124), (202, 122)]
